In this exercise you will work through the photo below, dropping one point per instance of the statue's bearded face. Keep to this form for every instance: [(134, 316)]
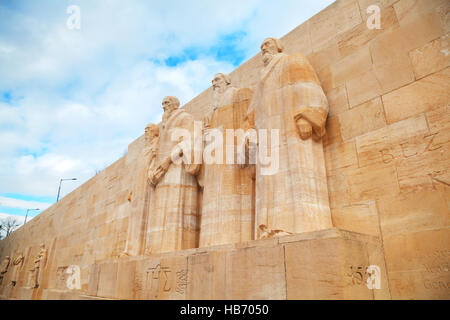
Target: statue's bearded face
[(219, 82), (168, 105), (151, 132), (268, 50)]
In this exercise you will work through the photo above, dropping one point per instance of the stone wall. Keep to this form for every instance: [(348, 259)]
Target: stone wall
[(386, 148)]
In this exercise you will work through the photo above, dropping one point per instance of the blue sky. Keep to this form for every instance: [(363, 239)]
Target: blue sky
[(72, 100)]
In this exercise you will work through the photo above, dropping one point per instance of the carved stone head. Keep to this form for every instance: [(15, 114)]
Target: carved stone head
[(221, 81), (170, 103), (151, 132), (269, 48)]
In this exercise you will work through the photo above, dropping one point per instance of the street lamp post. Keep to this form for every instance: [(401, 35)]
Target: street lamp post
[(27, 214), (59, 189)]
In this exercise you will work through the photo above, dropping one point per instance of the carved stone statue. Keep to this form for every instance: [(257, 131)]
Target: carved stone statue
[(227, 207), (139, 196), (152, 139), (39, 264), (4, 268), (265, 233), (17, 265), (172, 219), (289, 98)]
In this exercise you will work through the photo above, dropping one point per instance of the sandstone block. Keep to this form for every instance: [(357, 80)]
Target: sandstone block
[(432, 57), (338, 101), (418, 264), (362, 119), (361, 217), (341, 155), (350, 41), (424, 95), (257, 273), (372, 182), (412, 212), (363, 88), (396, 141), (340, 17), (330, 267)]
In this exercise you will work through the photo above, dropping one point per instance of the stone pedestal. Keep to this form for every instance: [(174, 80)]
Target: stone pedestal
[(327, 264)]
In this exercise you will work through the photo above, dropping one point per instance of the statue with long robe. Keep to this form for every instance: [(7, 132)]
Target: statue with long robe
[(4, 268), (172, 219), (140, 193), (39, 263), (227, 207), (289, 98), (17, 266)]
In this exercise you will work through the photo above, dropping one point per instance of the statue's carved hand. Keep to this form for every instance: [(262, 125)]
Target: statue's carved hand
[(165, 164), (156, 176), (153, 152), (304, 128)]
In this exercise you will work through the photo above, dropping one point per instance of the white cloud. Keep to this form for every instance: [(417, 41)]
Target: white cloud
[(23, 204)]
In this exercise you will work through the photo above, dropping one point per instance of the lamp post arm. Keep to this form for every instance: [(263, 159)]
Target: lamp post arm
[(59, 190)]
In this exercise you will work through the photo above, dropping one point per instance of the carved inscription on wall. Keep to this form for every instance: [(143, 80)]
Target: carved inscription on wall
[(158, 275), (410, 149), (362, 275), (436, 273), (182, 281), (162, 279)]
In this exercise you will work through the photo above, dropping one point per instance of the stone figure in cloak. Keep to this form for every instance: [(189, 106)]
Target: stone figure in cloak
[(17, 266), (172, 222), (289, 98), (227, 206), (39, 264), (141, 192), (4, 268)]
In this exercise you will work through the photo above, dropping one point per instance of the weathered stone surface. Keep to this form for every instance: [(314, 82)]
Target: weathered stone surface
[(323, 57), (359, 217), (352, 66), (363, 88), (423, 95), (306, 266), (338, 100), (414, 211), (432, 57), (362, 119), (341, 155), (333, 134), (329, 267), (418, 264), (372, 182), (361, 35), (339, 17), (393, 142)]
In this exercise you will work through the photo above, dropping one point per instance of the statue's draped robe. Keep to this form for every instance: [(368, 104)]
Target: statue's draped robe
[(172, 218), (295, 198), (140, 192), (4, 269), (39, 264), (227, 209), (17, 265)]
